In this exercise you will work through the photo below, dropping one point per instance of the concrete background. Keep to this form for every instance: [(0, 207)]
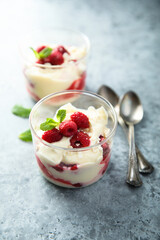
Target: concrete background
[(125, 54)]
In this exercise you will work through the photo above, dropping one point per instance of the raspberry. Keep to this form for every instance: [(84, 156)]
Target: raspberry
[(68, 128), (51, 136), (40, 61), (40, 48), (80, 119), (62, 50), (56, 58), (80, 139)]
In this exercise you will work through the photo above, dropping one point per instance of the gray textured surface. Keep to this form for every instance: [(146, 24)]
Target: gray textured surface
[(125, 54)]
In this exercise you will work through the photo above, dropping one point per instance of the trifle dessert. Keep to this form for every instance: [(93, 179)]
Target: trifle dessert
[(55, 62), (73, 143)]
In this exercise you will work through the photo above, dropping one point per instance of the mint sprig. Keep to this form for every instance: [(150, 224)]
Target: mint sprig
[(35, 53), (26, 136), (61, 115), (43, 53), (50, 123), (20, 111)]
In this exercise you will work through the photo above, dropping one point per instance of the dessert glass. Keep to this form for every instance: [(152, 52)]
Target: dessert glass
[(77, 174), (44, 79)]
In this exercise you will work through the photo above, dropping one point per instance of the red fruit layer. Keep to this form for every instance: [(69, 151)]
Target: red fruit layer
[(78, 84), (50, 176), (77, 185), (63, 166), (105, 161), (106, 155), (105, 146)]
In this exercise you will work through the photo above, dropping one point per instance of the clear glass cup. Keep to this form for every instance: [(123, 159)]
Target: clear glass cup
[(44, 79), (50, 158)]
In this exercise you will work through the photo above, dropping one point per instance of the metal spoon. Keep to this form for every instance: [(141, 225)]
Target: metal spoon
[(113, 98), (132, 113)]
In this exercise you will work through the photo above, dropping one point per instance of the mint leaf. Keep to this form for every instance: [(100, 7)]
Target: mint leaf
[(51, 123), (35, 53), (21, 111), (61, 115), (48, 124), (26, 136), (45, 52)]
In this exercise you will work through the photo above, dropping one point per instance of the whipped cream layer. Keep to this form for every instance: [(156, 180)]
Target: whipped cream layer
[(89, 162), (45, 79)]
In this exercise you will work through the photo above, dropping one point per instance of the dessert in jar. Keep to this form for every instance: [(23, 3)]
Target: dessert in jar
[(55, 64), (72, 144)]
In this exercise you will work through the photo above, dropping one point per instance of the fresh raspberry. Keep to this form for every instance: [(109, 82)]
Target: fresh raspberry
[(80, 119), (40, 48), (79, 140), (56, 58), (51, 136), (68, 128), (62, 50)]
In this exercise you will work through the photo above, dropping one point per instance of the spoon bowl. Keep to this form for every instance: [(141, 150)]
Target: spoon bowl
[(109, 94), (131, 109)]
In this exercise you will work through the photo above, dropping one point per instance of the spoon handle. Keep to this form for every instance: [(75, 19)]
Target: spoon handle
[(144, 165), (133, 177)]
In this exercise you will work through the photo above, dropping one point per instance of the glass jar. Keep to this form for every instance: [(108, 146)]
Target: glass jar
[(72, 167), (44, 79)]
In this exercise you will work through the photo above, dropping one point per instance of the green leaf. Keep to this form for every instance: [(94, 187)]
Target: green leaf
[(21, 111), (48, 124), (45, 52), (35, 53), (61, 115), (26, 136), (51, 123)]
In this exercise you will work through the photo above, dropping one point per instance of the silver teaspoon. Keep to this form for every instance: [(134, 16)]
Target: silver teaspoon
[(132, 113), (113, 98)]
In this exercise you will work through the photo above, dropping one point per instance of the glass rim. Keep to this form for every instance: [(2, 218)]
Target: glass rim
[(84, 36), (89, 93)]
